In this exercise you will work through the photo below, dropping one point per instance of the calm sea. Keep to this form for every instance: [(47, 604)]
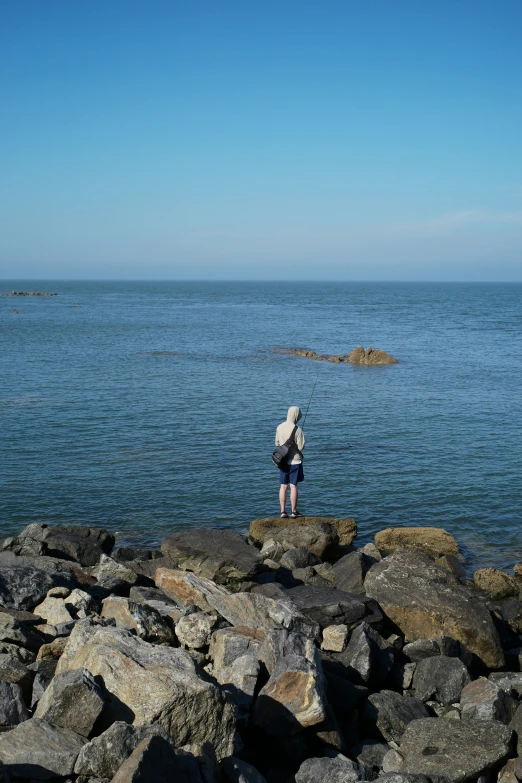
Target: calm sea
[(150, 407)]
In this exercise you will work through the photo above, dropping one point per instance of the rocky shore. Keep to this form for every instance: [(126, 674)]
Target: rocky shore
[(288, 655)]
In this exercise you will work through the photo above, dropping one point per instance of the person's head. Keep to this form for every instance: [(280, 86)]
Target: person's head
[(294, 414)]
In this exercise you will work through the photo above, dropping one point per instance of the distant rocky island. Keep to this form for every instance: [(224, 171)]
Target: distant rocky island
[(360, 355), (289, 655), (29, 293)]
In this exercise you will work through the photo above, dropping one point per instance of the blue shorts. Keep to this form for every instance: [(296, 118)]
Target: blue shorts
[(292, 475)]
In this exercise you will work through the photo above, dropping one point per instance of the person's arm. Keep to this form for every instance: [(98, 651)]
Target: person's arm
[(300, 439)]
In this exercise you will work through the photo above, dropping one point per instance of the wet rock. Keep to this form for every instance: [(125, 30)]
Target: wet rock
[(108, 568), (104, 755), (23, 587), (368, 656), (425, 601), (186, 588), (12, 706), (221, 555), (260, 529), (329, 770), (329, 606), (321, 540), (195, 630), (496, 583), (293, 698), (350, 571), (143, 619), (238, 771), (459, 750), (335, 638), (261, 613), (370, 356), (433, 541), (388, 713), (441, 678), (482, 699), (148, 683), (298, 557), (37, 750), (153, 759), (73, 700)]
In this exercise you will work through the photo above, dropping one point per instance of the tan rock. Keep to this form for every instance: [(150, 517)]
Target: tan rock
[(496, 583), (517, 570), (369, 356), (52, 651), (335, 638), (194, 630), (54, 611), (187, 588), (426, 601), (346, 527), (150, 683), (433, 541)]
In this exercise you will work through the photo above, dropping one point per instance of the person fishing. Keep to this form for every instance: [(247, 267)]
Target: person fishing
[(292, 472)]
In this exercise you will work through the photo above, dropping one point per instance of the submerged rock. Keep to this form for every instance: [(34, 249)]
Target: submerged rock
[(426, 601)]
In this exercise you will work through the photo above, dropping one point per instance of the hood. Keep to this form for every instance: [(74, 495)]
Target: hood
[(294, 414)]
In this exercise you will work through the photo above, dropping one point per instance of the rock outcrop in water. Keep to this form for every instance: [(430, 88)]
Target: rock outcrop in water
[(360, 355), (289, 655), (29, 293)]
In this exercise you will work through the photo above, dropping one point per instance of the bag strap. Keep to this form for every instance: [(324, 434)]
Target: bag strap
[(291, 438)]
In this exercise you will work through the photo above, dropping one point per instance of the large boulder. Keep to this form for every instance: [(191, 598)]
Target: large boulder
[(38, 750), (426, 601), (24, 586), (148, 683), (440, 678), (458, 750), (389, 713), (154, 759), (12, 706), (144, 620), (104, 755), (194, 630), (229, 644), (18, 631), (350, 571), (293, 698), (70, 542), (433, 541), (73, 700), (262, 529), (224, 556), (321, 540), (188, 589), (327, 605), (368, 657), (496, 583), (483, 699)]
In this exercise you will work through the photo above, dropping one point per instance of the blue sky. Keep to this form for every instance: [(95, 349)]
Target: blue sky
[(270, 139)]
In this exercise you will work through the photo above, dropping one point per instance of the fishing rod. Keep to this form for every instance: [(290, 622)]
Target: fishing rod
[(310, 400)]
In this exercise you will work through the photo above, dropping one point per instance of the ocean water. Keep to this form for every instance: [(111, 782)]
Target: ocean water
[(150, 407)]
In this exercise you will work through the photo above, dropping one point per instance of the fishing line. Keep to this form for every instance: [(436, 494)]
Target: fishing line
[(312, 394)]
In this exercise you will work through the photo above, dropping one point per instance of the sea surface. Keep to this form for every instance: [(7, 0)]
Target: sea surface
[(152, 407)]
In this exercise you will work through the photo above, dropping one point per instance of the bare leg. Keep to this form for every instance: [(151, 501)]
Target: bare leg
[(294, 494), (282, 496)]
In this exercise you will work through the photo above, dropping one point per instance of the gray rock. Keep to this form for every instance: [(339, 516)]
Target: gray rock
[(424, 601), (148, 683), (220, 555), (73, 700), (442, 645), (13, 670), (483, 699), (141, 618), (459, 750), (328, 606), (368, 656), (23, 587), (238, 771), (228, 644), (405, 777), (44, 672), (37, 750), (350, 571), (370, 752), (124, 554), (321, 540), (389, 713), (328, 770), (392, 763), (293, 698), (516, 725), (104, 755), (12, 706), (240, 679), (16, 631), (262, 613), (440, 678), (279, 643), (195, 630), (511, 682), (154, 759), (108, 568), (72, 542), (298, 557)]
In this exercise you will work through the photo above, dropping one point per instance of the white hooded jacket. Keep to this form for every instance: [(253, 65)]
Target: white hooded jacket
[(284, 431)]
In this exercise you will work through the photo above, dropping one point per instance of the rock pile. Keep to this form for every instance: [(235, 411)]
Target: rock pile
[(289, 655), (359, 355)]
